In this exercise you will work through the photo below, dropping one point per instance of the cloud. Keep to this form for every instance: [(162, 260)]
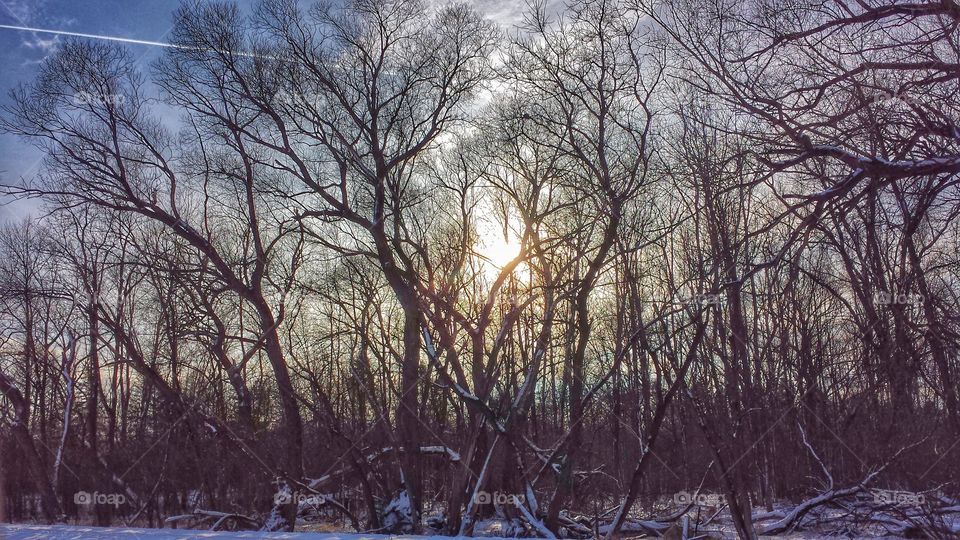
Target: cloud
[(46, 46), (506, 13), (21, 10), (31, 12)]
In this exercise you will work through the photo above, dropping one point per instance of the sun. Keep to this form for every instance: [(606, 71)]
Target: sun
[(498, 251), (498, 242)]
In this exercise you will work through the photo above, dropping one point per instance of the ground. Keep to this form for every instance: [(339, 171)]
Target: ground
[(63, 532)]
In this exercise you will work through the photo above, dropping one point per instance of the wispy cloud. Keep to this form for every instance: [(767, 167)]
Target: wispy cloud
[(47, 46), (27, 12), (21, 10), (506, 13)]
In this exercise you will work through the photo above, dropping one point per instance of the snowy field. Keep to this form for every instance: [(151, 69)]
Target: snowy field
[(64, 532)]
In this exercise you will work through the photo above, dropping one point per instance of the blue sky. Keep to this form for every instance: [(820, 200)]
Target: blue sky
[(21, 52)]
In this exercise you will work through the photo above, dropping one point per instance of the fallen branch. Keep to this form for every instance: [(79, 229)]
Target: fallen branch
[(221, 518), (792, 518)]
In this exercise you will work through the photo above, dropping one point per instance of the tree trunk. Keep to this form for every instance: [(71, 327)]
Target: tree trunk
[(49, 503)]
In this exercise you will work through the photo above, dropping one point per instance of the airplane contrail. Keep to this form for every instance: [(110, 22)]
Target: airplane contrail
[(129, 40), (92, 36)]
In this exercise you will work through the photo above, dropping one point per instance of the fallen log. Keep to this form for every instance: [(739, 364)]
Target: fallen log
[(793, 517)]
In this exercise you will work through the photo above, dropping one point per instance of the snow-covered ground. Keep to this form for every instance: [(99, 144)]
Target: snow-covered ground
[(64, 532)]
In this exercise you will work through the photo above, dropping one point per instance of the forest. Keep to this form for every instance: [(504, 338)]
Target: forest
[(625, 268)]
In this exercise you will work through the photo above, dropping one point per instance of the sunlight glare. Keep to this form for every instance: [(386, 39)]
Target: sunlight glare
[(498, 250)]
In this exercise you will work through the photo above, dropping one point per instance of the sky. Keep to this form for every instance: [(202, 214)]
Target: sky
[(23, 51)]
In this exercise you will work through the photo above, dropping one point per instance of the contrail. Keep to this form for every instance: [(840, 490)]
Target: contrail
[(92, 36), (128, 40)]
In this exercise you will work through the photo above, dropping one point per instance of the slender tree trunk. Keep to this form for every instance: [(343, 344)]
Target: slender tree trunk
[(4, 518), (292, 424), (102, 512), (578, 361)]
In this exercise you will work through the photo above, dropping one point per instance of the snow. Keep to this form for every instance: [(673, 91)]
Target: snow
[(464, 393), (454, 456), (63, 532), (275, 520), (398, 515)]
